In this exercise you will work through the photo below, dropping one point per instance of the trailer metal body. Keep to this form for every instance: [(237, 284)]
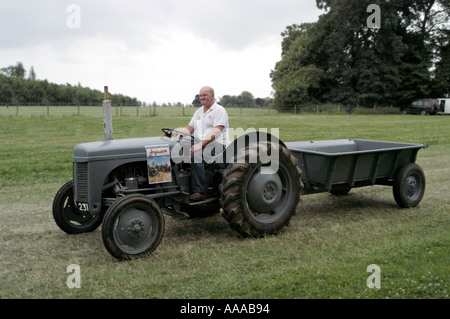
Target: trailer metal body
[(329, 165)]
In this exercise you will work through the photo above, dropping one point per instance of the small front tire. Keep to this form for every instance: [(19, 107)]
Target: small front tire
[(68, 217), (133, 227), (409, 186)]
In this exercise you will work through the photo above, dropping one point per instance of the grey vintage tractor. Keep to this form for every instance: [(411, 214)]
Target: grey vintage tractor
[(129, 185)]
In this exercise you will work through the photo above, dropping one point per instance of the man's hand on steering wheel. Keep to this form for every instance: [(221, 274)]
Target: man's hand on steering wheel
[(168, 132)]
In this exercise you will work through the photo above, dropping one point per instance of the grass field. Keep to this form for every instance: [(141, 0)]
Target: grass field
[(324, 253)]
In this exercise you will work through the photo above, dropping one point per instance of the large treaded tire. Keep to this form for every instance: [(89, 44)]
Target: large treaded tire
[(243, 176)]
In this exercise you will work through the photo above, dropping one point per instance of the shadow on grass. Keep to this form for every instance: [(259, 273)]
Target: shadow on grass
[(199, 228), (326, 207), (350, 204), (322, 207)]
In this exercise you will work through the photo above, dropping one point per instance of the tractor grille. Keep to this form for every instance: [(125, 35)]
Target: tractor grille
[(81, 182)]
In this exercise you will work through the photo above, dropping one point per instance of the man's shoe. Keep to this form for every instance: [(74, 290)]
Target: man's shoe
[(197, 197)]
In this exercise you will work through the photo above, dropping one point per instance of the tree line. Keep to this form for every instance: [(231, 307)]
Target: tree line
[(18, 87), (245, 99), (341, 59)]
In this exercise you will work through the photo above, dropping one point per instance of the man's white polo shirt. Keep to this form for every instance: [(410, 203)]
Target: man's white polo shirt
[(204, 122)]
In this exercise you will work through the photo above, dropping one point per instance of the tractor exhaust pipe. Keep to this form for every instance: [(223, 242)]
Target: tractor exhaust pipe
[(107, 115)]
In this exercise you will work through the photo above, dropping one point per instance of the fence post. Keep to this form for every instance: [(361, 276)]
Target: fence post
[(107, 116), (48, 110), (154, 110), (17, 109), (137, 110)]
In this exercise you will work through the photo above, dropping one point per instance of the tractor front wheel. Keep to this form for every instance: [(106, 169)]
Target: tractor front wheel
[(133, 227), (68, 217)]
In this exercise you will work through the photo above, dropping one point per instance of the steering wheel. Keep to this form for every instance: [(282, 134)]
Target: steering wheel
[(168, 132)]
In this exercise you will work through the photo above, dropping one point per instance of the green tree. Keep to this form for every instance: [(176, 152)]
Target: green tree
[(32, 74), (363, 63), (422, 25), (17, 70), (441, 80), (245, 99), (15, 88), (6, 89), (296, 78), (340, 59)]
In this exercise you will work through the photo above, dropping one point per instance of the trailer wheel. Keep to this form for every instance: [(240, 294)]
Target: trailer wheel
[(68, 217), (409, 186), (256, 203), (133, 227)]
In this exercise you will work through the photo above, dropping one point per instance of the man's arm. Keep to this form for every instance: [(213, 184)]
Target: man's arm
[(188, 130), (215, 133)]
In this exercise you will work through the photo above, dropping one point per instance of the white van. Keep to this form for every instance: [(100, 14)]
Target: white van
[(444, 106)]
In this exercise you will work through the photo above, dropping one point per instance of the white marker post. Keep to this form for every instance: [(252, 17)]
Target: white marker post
[(107, 117)]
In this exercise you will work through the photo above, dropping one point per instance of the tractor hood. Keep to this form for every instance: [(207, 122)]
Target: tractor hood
[(117, 149)]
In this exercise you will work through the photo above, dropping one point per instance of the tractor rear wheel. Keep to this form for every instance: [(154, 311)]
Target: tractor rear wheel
[(256, 199)]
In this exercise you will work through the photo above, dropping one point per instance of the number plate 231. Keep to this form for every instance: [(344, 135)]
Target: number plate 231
[(83, 207)]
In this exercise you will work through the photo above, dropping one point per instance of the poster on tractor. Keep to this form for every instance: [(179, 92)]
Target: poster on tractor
[(158, 164)]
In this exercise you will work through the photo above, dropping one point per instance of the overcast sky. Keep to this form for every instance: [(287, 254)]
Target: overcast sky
[(154, 50)]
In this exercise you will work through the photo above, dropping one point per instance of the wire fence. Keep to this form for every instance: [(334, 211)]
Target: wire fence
[(165, 111)]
